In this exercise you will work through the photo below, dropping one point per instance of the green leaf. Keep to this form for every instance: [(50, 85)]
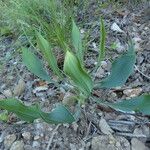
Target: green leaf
[(47, 53), (77, 42), (139, 104), (29, 113), (59, 115), (122, 68), (78, 75), (102, 41), (34, 64)]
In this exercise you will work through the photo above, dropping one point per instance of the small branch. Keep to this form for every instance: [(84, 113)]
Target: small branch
[(136, 68), (51, 139)]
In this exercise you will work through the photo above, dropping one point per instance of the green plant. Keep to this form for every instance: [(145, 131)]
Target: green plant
[(50, 17), (76, 74)]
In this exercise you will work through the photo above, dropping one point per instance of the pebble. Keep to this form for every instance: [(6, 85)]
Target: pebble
[(37, 137), (7, 93), (105, 142), (17, 145), (100, 72), (26, 135), (68, 99), (36, 144), (104, 64), (119, 47), (8, 140), (115, 27), (72, 147), (19, 88), (132, 92), (138, 145)]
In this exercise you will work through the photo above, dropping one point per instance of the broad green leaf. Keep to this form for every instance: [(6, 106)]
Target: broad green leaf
[(34, 64), (122, 68), (29, 113), (77, 42), (59, 115), (78, 75), (139, 104), (102, 41), (47, 53)]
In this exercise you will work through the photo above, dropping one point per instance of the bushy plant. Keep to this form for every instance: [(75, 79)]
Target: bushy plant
[(77, 75)]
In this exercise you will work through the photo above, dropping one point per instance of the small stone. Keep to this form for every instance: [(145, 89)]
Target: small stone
[(17, 145), (104, 64), (26, 135), (7, 93), (2, 96), (75, 126), (28, 147), (19, 88), (104, 127), (8, 140), (119, 47), (100, 73), (138, 145), (37, 137), (36, 144), (132, 92), (72, 147), (69, 99), (116, 28)]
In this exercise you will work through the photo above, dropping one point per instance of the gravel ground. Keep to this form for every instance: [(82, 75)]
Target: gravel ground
[(97, 128)]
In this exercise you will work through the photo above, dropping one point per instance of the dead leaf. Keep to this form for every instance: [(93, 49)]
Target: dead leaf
[(19, 88)]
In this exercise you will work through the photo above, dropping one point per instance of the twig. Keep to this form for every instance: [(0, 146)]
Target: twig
[(51, 139), (88, 130), (136, 68), (130, 135)]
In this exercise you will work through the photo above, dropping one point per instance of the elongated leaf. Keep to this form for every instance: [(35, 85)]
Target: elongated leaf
[(139, 104), (47, 53), (122, 67), (74, 70), (102, 41), (59, 115), (29, 113), (34, 64), (77, 42)]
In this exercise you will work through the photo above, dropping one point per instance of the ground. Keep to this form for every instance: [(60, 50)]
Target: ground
[(98, 128)]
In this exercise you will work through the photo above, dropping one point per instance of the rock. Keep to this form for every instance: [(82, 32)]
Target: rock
[(69, 99), (99, 73), (75, 126), (104, 64), (138, 145), (37, 137), (104, 127), (36, 144), (116, 28), (72, 147), (26, 135), (7, 93), (119, 47), (8, 140), (104, 142), (17, 145), (19, 88), (132, 92), (2, 96)]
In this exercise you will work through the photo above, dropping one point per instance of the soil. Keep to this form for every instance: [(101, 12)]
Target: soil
[(119, 131)]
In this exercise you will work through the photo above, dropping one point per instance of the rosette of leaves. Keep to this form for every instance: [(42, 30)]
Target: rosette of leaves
[(75, 72)]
